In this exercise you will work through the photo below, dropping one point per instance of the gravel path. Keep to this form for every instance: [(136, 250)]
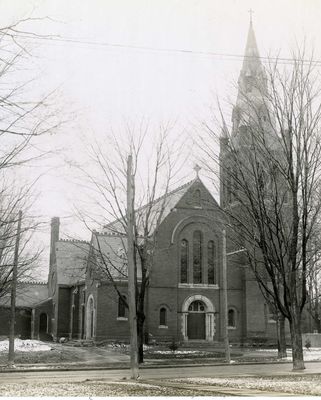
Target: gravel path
[(98, 389)]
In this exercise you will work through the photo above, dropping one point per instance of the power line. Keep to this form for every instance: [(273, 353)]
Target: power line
[(230, 56)]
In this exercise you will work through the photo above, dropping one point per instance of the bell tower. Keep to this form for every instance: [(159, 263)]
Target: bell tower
[(251, 118)]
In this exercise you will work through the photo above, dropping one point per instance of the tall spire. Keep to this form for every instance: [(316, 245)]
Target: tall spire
[(252, 86), (251, 63)]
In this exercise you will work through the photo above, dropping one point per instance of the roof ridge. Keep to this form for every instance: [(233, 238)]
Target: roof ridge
[(168, 194)]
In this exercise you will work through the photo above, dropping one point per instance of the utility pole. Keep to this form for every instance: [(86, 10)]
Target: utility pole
[(225, 308), (13, 295), (131, 272)]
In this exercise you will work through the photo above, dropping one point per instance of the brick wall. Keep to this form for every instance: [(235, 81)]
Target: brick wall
[(109, 326)]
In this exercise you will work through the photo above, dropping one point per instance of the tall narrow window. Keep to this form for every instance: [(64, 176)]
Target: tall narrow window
[(197, 257), (184, 260), (122, 307), (228, 185), (211, 263), (162, 316), (234, 194)]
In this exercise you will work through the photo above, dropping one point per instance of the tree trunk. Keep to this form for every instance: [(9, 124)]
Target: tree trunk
[(281, 337), (140, 337), (296, 340)]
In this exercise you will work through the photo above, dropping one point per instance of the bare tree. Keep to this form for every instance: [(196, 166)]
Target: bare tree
[(24, 119), (11, 203), (314, 281), (270, 179), (154, 171)]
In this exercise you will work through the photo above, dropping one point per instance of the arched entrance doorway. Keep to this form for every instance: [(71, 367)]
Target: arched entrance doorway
[(90, 318), (198, 322)]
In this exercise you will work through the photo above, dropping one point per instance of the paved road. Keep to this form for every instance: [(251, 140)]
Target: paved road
[(157, 373)]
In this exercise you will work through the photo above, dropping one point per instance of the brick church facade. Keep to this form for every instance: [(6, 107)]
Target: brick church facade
[(184, 299)]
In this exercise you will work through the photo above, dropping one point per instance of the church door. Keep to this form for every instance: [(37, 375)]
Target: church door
[(196, 321)]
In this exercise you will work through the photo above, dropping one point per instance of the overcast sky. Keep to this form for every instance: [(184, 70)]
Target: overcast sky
[(125, 60)]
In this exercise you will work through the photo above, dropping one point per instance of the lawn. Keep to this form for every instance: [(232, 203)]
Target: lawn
[(37, 352)]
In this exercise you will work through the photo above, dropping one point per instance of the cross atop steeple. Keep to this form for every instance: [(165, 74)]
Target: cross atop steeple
[(251, 12), (197, 169)]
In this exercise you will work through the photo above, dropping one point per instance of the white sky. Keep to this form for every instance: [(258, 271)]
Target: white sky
[(100, 86)]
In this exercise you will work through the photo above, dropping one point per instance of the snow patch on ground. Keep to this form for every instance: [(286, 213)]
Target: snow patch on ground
[(312, 354), (293, 385), (27, 345), (178, 352)]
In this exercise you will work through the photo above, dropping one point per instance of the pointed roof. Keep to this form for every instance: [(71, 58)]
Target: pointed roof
[(251, 55), (71, 261), (158, 210), (252, 66), (252, 86)]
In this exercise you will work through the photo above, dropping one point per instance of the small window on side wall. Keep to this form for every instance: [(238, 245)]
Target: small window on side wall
[(163, 316), (122, 309), (231, 320)]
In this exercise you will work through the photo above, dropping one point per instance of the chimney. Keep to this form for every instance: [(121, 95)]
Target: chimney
[(54, 237)]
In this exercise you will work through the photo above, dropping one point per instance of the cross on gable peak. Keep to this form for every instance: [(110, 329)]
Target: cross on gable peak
[(197, 169)]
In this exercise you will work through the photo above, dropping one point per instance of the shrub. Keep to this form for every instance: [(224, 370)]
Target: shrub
[(173, 346), (307, 344)]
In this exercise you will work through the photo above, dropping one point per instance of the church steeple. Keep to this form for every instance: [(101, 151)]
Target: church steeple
[(251, 63), (252, 85)]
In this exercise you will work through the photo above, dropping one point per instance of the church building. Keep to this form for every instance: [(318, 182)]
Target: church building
[(184, 299)]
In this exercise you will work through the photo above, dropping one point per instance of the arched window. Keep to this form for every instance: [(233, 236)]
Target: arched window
[(197, 306), (197, 257), (231, 320), (184, 260), (162, 316), (122, 309), (210, 263)]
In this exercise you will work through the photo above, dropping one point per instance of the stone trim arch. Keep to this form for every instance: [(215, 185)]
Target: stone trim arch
[(185, 221), (188, 301), (235, 317), (160, 305), (209, 316)]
